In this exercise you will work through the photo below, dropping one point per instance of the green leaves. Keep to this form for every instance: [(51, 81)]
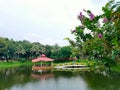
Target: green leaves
[(3, 45), (102, 36)]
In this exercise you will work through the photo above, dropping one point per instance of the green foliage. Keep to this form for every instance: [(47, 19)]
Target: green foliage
[(65, 52), (3, 44), (13, 64), (25, 50), (55, 51), (116, 68), (95, 39), (61, 53)]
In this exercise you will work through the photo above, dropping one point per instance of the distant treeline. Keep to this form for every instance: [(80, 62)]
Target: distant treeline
[(25, 50)]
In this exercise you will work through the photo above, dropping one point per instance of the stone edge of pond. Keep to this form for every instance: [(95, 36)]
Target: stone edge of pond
[(72, 67)]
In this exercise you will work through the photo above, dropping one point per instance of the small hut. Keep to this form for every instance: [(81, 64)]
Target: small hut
[(41, 59)]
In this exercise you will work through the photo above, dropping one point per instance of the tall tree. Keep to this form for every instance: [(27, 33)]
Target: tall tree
[(3, 47)]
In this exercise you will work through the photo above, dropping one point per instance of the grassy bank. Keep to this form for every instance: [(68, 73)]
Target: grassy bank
[(13, 64), (116, 68), (91, 63), (57, 63)]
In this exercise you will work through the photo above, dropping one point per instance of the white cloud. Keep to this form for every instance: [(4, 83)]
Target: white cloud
[(33, 37), (52, 11), (1, 25)]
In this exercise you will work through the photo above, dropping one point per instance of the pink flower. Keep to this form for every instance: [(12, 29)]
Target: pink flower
[(80, 16), (105, 20), (100, 35), (91, 16), (73, 31)]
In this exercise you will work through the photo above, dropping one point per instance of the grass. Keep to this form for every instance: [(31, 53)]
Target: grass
[(77, 62), (91, 63), (116, 68), (13, 64)]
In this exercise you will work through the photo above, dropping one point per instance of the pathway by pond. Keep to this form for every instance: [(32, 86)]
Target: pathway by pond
[(23, 78)]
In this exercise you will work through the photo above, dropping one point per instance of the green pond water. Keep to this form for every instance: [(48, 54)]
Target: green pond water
[(23, 78)]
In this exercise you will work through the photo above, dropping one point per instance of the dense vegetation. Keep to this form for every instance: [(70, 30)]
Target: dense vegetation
[(25, 50), (98, 36)]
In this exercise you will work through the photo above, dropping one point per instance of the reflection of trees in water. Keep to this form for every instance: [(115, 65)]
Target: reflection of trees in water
[(22, 75), (14, 76), (66, 74), (96, 81)]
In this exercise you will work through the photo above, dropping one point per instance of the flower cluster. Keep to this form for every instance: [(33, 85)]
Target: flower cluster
[(91, 16), (81, 16), (100, 35), (105, 20)]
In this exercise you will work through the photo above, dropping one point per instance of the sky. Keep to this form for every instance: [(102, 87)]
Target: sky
[(44, 21)]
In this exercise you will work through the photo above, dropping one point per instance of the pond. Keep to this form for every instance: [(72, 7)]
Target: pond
[(23, 78)]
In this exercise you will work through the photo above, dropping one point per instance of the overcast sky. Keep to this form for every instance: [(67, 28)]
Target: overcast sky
[(44, 21)]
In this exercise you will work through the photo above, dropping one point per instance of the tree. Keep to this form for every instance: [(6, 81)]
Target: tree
[(65, 52), (98, 36), (11, 49), (35, 49), (55, 51), (20, 51), (3, 48), (48, 50), (27, 46)]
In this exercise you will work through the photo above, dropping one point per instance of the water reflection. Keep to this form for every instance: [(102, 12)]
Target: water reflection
[(14, 76), (22, 78), (96, 81), (42, 75)]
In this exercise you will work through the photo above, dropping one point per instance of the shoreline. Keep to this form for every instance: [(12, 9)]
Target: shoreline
[(4, 65)]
